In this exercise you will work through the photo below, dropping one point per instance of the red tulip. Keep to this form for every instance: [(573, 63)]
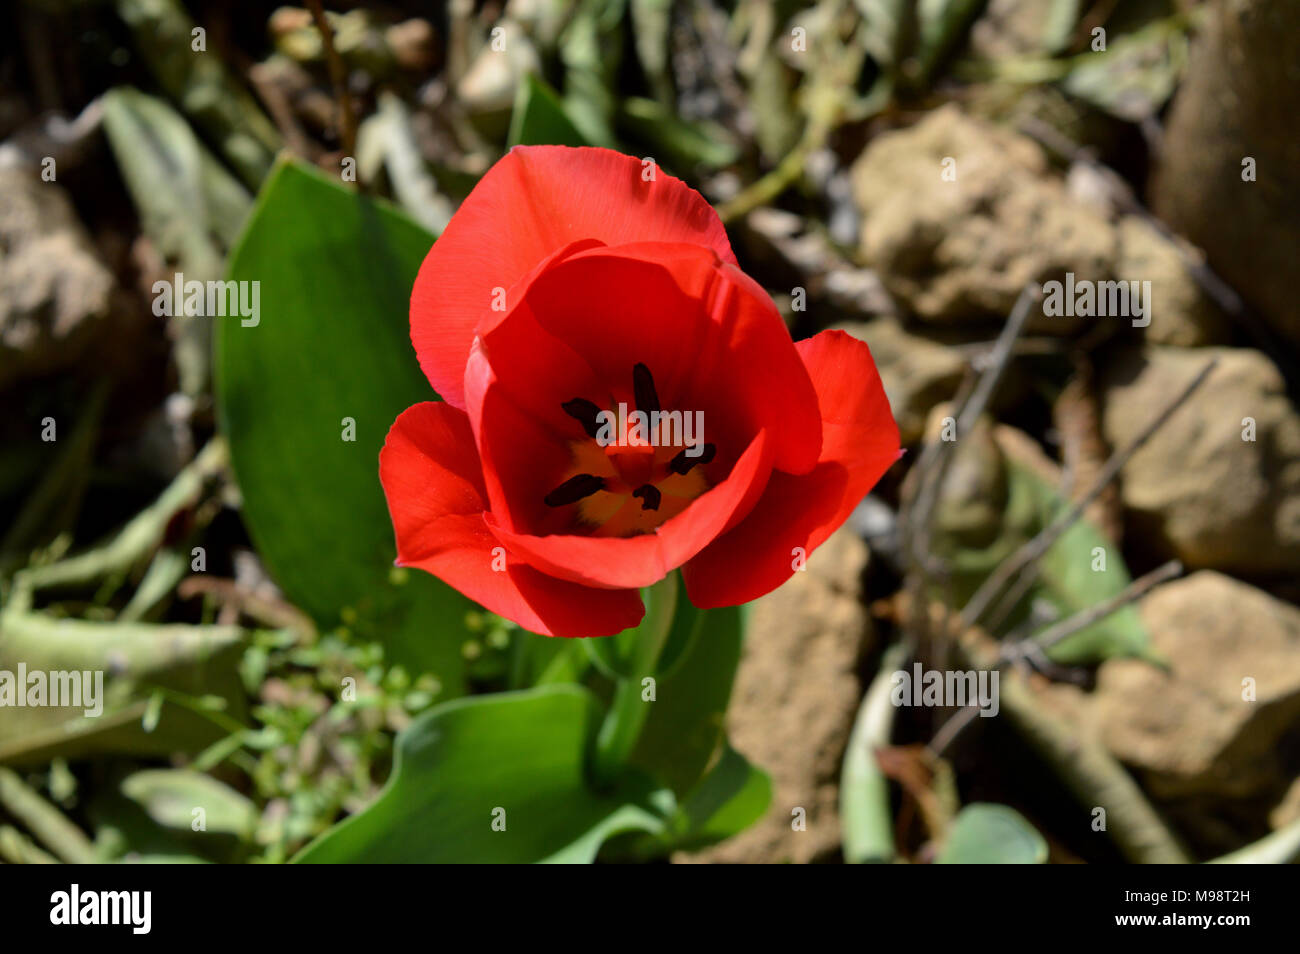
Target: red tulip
[(575, 280)]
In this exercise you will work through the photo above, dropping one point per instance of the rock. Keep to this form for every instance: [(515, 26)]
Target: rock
[(917, 373), (54, 290), (1287, 810), (1239, 102), (1011, 28), (961, 251), (490, 83), (1189, 731), (796, 695), (413, 43), (1221, 768), (1198, 490), (792, 255), (1181, 314)]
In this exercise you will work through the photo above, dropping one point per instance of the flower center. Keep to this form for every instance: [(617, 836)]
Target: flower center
[(637, 468)]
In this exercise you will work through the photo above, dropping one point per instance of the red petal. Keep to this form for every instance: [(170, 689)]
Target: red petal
[(431, 477), (708, 332), (859, 443), (711, 338), (533, 202), (645, 559)]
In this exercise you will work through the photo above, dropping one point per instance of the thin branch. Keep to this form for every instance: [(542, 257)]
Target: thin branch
[(1056, 633), (339, 77), (950, 730), (1035, 548), (1084, 618)]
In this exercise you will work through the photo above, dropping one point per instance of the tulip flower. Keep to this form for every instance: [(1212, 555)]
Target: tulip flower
[(619, 401)]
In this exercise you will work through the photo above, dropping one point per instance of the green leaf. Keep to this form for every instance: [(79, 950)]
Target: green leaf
[(517, 758), (1072, 579), (169, 797), (134, 658), (886, 36), (539, 118), (865, 819), (651, 25), (987, 834), (730, 798), (591, 50), (1071, 576), (620, 656), (331, 343), (681, 143), (1058, 26), (684, 732), (189, 205), (944, 25), (1135, 75), (152, 813)]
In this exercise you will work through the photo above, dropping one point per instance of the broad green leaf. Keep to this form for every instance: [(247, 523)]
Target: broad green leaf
[(730, 798), (517, 759), (330, 349), (539, 118), (987, 834), (684, 733)]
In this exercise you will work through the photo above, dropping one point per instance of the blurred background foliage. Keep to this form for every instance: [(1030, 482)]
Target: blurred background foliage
[(207, 525)]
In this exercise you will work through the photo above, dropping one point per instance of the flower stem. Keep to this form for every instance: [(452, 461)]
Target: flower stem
[(627, 711)]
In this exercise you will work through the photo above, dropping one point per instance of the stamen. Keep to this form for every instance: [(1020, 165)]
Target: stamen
[(643, 388), (649, 496), (585, 413), (681, 464), (574, 489)]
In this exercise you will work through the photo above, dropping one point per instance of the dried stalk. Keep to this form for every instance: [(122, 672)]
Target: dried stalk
[(339, 78)]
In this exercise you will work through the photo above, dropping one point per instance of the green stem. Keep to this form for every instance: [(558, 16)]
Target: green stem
[(627, 711)]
